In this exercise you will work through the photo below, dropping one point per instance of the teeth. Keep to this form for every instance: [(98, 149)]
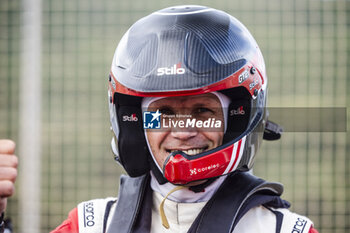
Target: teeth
[(191, 151)]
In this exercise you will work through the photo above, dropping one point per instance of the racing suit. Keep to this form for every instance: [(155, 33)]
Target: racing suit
[(137, 210)]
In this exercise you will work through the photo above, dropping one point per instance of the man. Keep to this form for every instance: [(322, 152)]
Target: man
[(8, 175), (187, 94)]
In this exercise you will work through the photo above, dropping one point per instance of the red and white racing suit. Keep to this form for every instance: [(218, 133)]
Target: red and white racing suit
[(90, 217), (258, 219)]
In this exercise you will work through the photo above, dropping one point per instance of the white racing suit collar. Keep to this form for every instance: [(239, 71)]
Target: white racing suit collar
[(185, 195)]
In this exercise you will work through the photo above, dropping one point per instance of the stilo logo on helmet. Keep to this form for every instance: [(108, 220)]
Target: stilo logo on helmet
[(175, 69), (132, 117)]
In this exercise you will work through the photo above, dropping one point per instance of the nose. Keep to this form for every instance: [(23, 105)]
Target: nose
[(184, 134)]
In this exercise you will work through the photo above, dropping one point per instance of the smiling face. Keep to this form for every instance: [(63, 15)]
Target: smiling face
[(192, 140)]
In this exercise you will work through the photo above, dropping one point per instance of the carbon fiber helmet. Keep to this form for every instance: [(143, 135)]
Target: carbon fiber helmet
[(180, 51)]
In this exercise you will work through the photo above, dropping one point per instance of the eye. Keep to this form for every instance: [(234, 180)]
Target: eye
[(204, 110), (166, 111)]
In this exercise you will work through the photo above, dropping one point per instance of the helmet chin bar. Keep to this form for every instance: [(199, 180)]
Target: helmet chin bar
[(180, 168)]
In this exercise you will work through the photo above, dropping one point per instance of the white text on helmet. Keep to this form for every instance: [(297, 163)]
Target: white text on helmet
[(254, 83), (238, 111), (175, 69), (244, 76), (132, 117), (195, 171)]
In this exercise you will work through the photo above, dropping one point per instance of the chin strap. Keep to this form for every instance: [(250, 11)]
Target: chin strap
[(196, 189), (165, 222), (201, 187), (157, 174)]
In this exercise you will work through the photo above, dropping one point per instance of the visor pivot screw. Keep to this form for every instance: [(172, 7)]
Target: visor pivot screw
[(256, 92), (109, 78), (253, 70)]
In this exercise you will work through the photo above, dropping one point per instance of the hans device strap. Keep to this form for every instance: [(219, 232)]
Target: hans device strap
[(130, 197), (239, 193), (221, 212)]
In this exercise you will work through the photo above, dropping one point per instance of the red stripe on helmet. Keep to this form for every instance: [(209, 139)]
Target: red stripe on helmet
[(237, 155)]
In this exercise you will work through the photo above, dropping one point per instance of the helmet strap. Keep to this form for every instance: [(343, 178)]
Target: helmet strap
[(155, 170), (201, 187)]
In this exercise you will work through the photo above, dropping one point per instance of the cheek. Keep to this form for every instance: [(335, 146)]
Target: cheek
[(155, 140), (215, 137)]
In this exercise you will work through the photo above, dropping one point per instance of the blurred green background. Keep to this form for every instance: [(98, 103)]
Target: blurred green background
[(306, 48)]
